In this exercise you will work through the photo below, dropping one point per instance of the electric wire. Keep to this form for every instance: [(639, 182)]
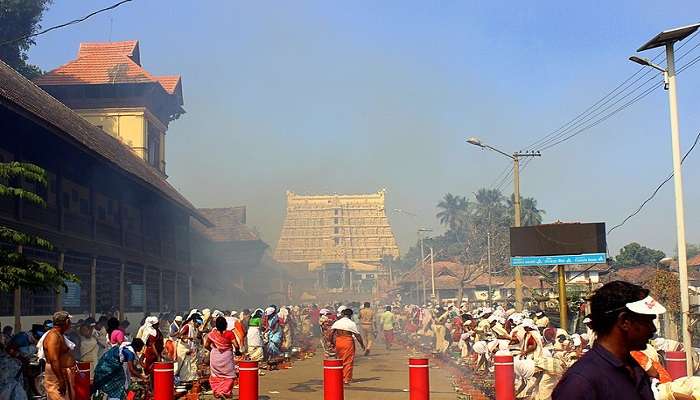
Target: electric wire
[(641, 206), (629, 103), (75, 21), (595, 110)]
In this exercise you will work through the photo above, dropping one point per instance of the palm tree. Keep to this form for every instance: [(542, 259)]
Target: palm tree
[(529, 213), (454, 211), (490, 208)]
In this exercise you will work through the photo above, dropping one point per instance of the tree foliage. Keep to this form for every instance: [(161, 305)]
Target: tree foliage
[(469, 222), (664, 287), (635, 254), (19, 18), (16, 270)]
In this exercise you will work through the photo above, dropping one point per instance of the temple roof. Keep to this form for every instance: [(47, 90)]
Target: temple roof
[(109, 63)]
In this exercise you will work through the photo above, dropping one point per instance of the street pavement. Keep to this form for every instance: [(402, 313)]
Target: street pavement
[(382, 375)]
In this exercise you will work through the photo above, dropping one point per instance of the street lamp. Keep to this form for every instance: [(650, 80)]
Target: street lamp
[(420, 231), (667, 39), (515, 157)]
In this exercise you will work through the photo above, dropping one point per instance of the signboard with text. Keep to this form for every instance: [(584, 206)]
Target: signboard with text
[(558, 244)]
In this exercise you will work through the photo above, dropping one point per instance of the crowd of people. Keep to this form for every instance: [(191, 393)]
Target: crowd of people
[(202, 344), (620, 329), (617, 353)]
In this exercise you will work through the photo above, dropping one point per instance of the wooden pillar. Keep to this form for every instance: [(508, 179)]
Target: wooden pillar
[(176, 294), (189, 291), (93, 210), (59, 294), (122, 290), (93, 287), (160, 291), (59, 200), (145, 300), (18, 303)]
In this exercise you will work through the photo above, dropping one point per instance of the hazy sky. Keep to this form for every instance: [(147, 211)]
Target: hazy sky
[(352, 97)]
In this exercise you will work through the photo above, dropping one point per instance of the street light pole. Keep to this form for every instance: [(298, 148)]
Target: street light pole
[(667, 39), (518, 278)]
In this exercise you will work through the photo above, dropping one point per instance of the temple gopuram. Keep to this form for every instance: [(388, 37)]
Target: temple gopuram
[(342, 239)]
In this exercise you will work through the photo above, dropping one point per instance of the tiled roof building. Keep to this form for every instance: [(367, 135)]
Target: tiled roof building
[(107, 85)]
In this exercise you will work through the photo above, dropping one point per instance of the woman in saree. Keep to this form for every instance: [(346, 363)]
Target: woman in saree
[(222, 346), (285, 323), (254, 336), (274, 335), (186, 349), (111, 377), (326, 320), (153, 338), (345, 332)]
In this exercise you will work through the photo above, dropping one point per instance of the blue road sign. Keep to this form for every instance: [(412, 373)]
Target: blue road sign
[(533, 261)]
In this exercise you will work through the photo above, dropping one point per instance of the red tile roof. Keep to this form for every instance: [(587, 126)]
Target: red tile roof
[(129, 48), (107, 63), (229, 225)]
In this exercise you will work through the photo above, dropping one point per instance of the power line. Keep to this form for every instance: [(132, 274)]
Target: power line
[(639, 209), (604, 118), (629, 103), (595, 109), (75, 21), (501, 175)]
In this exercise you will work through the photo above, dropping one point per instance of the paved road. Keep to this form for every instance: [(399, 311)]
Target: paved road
[(382, 375)]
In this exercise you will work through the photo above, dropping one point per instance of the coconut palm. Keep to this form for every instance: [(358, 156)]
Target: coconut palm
[(529, 213), (454, 211)]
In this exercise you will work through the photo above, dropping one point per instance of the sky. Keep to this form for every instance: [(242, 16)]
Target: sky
[(352, 97)]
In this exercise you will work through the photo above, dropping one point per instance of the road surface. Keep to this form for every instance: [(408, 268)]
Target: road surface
[(382, 375)]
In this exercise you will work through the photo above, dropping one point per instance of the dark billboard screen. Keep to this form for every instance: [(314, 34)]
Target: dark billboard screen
[(558, 239)]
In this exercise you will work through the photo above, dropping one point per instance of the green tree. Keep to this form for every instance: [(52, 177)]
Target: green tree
[(635, 254), (692, 250), (454, 212), (529, 213), (20, 18), (16, 271)]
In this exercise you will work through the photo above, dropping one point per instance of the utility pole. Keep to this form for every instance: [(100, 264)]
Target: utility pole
[(432, 272), (422, 265), (563, 303), (517, 221), (488, 253), (515, 157)]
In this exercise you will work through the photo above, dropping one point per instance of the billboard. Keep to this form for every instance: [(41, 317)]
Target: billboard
[(558, 244)]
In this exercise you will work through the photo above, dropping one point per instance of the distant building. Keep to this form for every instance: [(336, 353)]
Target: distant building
[(107, 85), (226, 260), (342, 238)]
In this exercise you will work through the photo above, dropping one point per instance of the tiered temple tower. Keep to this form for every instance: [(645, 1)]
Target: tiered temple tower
[(342, 237)]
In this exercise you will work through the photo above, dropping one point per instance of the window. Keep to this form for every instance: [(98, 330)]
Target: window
[(337, 230), (74, 195), (101, 214), (66, 200)]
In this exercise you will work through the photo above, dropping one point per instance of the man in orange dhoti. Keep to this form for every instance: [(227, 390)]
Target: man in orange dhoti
[(344, 334)]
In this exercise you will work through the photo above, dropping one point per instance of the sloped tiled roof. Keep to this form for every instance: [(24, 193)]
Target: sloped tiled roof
[(20, 94), (639, 275), (108, 63), (229, 225)]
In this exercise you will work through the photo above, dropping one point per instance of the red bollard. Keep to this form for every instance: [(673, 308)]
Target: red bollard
[(333, 379), (163, 381), (505, 377), (418, 379), (81, 385), (248, 380), (676, 364)]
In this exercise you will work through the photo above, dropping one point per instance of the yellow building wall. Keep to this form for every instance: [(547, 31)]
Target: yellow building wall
[(129, 126)]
